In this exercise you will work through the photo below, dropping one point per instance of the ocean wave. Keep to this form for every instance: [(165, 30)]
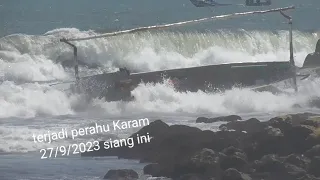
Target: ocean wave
[(27, 58)]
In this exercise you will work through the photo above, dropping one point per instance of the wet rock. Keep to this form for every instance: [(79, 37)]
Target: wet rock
[(282, 122), (152, 169), (287, 121), (230, 118), (121, 174), (234, 174), (234, 161), (295, 171), (179, 143), (157, 128), (316, 134), (194, 177), (271, 167), (309, 177), (157, 170), (314, 151), (314, 166), (273, 132), (235, 158), (312, 121), (250, 126), (206, 156), (317, 49), (269, 163), (297, 138), (224, 139), (205, 162), (302, 131), (287, 136), (268, 141), (312, 59), (272, 150), (297, 160), (233, 151)]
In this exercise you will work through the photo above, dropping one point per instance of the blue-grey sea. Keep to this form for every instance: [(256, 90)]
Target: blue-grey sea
[(29, 49)]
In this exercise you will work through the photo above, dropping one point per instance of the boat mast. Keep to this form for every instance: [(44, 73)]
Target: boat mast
[(293, 66), (75, 58)]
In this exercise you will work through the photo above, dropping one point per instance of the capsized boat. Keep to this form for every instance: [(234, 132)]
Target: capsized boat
[(118, 85)]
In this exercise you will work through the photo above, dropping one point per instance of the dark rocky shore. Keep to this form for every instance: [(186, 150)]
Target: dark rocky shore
[(283, 148)]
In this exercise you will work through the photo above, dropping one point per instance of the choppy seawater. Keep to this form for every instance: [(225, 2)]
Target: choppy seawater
[(29, 49)]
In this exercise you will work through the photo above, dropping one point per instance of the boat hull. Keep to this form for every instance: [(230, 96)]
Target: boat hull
[(118, 86), (219, 77)]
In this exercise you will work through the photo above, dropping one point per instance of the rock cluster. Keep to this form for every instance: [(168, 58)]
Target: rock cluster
[(282, 148), (313, 59)]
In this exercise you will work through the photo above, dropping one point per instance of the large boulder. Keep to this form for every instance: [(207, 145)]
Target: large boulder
[(309, 177), (272, 167), (298, 160), (297, 138), (287, 121), (269, 141), (312, 121), (234, 174), (121, 174), (157, 170), (194, 177), (235, 158), (314, 166), (300, 131), (224, 139), (314, 151), (269, 163), (177, 144), (204, 162), (313, 59), (250, 126)]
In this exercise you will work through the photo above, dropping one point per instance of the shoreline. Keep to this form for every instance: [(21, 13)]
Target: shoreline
[(31, 167)]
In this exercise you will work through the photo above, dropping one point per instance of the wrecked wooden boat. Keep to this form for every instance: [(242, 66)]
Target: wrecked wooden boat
[(117, 86)]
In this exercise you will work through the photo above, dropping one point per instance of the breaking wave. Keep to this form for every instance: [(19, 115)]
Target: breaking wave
[(26, 58)]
